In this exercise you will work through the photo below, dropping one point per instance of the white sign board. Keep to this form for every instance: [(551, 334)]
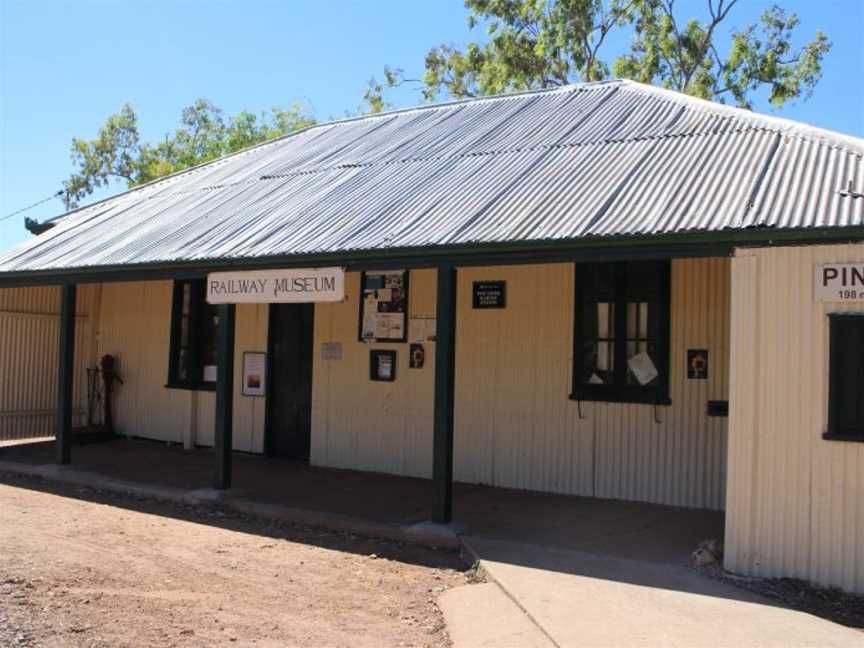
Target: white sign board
[(293, 285), (839, 282)]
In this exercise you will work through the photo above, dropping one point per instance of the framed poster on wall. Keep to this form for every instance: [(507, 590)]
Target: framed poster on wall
[(384, 306), (254, 373)]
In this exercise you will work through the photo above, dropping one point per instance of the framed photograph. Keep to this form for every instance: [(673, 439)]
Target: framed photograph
[(254, 373), (382, 365), (697, 364), (384, 306), (417, 357)]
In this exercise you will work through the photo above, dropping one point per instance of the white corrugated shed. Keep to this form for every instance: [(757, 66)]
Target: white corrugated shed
[(794, 499), (29, 339), (607, 159)]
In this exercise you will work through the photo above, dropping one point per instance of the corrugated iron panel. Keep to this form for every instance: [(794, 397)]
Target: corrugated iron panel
[(677, 454), (134, 327), (516, 427), (605, 159), (794, 500), (367, 425), (29, 342)]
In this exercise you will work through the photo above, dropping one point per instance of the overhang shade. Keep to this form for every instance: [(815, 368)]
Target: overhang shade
[(605, 159)]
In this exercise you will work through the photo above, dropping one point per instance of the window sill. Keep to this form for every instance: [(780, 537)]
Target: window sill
[(648, 399), (854, 438), (210, 387)]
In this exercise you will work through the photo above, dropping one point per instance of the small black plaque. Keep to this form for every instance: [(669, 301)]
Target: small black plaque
[(697, 364), (382, 365), (718, 408), (490, 294)]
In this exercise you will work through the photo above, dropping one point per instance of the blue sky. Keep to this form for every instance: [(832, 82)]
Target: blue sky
[(66, 66)]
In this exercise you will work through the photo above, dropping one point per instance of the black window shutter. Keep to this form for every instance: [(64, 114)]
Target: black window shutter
[(846, 377)]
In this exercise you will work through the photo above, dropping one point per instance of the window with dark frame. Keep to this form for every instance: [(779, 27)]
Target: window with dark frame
[(845, 377), (194, 322), (621, 332)]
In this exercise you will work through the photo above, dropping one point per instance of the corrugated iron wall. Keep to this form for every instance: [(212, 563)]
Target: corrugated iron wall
[(363, 424), (794, 499), (515, 424), (134, 326), (29, 340)]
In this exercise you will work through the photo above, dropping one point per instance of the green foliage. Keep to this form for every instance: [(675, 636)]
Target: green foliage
[(534, 44), (205, 133), (687, 57)]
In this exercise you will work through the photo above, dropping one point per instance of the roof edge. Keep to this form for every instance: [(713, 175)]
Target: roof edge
[(690, 244)]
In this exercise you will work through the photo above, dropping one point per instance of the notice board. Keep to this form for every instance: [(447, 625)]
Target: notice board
[(384, 306)]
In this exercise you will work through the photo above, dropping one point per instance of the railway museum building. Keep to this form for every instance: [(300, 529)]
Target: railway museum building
[(606, 290)]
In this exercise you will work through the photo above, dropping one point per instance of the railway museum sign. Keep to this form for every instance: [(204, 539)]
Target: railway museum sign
[(291, 285)]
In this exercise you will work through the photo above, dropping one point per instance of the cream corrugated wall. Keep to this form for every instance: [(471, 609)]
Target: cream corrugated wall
[(29, 342), (515, 425), (134, 326), (794, 503), (363, 424)]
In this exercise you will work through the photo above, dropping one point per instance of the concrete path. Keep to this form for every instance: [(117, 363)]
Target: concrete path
[(482, 616), (582, 599)]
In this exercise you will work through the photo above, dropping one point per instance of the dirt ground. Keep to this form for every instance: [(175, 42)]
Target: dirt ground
[(84, 568)]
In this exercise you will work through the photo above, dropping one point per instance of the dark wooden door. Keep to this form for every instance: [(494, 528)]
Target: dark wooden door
[(289, 398)]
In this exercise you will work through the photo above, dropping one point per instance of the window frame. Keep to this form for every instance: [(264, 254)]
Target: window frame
[(620, 391), (835, 351), (197, 309)]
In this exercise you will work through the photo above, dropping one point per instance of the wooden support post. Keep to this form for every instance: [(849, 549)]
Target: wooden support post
[(224, 395), (445, 373), (65, 375)]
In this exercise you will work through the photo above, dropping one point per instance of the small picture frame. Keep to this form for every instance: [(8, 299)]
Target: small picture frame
[(697, 364), (382, 365), (417, 356), (254, 373)]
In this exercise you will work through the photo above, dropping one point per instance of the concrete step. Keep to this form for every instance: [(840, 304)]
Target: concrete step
[(483, 616)]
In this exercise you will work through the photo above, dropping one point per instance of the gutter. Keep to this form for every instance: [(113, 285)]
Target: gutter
[(698, 244)]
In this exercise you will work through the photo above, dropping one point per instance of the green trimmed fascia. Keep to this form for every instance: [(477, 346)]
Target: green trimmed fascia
[(610, 248)]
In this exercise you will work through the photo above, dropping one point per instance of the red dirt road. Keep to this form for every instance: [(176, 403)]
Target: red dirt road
[(83, 568)]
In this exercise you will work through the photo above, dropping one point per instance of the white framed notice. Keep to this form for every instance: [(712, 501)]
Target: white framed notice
[(254, 373), (384, 306)]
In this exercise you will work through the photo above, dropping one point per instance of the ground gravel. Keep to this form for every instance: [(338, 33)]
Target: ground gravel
[(79, 567)]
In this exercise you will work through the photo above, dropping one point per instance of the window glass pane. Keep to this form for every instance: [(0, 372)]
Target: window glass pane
[(643, 329), (208, 329), (644, 280), (183, 351), (605, 357), (847, 375), (597, 363), (184, 315), (605, 326)]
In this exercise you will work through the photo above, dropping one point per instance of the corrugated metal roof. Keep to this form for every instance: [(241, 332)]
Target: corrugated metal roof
[(604, 159)]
